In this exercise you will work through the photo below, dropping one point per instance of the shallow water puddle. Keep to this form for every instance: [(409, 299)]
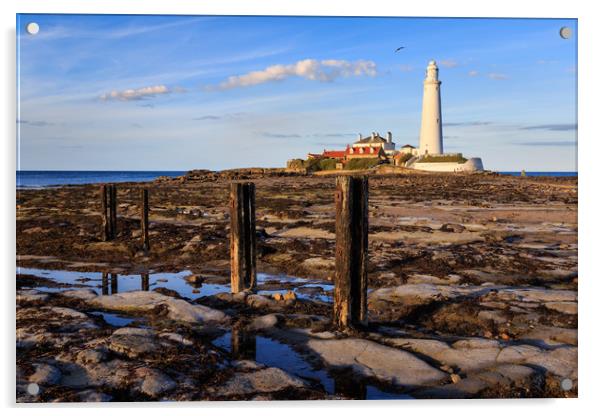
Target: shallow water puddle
[(114, 319), (118, 283), (248, 346)]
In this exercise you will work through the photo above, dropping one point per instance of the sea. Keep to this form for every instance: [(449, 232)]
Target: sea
[(540, 173), (52, 178)]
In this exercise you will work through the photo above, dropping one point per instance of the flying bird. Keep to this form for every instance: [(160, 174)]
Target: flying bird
[(400, 48)]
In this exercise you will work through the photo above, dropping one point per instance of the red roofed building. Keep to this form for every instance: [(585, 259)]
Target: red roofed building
[(368, 152), (334, 154)]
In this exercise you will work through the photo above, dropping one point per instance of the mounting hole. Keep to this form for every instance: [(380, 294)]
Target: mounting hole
[(565, 32), (566, 384), (32, 28), (33, 389)]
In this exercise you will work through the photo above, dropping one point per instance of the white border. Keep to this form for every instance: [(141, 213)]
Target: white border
[(590, 157)]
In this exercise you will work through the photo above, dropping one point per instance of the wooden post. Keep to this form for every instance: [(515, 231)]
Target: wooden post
[(243, 248), (144, 221), (105, 283), (351, 277), (113, 209), (114, 288), (105, 216), (145, 282)]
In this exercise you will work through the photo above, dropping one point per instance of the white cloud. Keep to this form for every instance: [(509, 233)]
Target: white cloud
[(473, 73), (406, 68), (136, 94), (497, 76), (449, 63), (312, 69)]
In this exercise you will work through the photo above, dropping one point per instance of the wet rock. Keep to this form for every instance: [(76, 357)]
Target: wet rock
[(177, 309), (467, 355), (319, 266), (561, 361), (133, 342), (536, 294), (167, 292), (177, 338), (91, 356), (477, 382), (452, 228), (569, 308), (476, 343), (246, 365), (371, 359), (518, 353), (93, 396), (290, 295), (515, 373), (401, 300), (268, 380), (31, 296), (241, 296), (497, 317), (264, 322), (111, 374), (45, 374), (154, 382), (426, 278), (84, 294), (259, 301), (194, 278), (27, 339), (68, 313), (549, 336)]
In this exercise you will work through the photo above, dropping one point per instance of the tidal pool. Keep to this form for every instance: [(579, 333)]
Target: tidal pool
[(248, 346), (110, 283)]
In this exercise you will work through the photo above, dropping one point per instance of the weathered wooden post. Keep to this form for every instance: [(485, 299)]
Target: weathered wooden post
[(243, 250), (145, 282), (114, 288), (105, 283), (105, 231), (351, 263), (144, 221), (113, 210)]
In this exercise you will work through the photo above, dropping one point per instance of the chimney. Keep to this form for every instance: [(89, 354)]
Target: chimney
[(389, 137), (359, 136), (373, 135)]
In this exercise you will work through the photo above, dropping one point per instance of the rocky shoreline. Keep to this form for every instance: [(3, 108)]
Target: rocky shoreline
[(472, 279)]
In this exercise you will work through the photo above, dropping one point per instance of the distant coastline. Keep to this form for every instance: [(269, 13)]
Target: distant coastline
[(49, 178), (27, 179)]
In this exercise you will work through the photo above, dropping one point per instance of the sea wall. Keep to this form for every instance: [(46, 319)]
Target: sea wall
[(474, 164)]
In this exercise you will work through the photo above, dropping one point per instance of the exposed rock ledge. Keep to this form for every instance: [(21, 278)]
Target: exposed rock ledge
[(371, 359), (142, 301)]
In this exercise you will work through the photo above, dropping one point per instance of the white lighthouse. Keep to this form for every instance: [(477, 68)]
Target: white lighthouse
[(431, 132)]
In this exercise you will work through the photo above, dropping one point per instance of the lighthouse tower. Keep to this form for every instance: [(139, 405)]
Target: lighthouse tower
[(431, 132)]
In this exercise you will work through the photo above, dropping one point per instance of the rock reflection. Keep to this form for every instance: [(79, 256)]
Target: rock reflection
[(114, 288), (348, 386), (105, 283), (145, 282)]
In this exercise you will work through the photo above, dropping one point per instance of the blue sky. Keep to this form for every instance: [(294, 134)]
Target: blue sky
[(186, 92)]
